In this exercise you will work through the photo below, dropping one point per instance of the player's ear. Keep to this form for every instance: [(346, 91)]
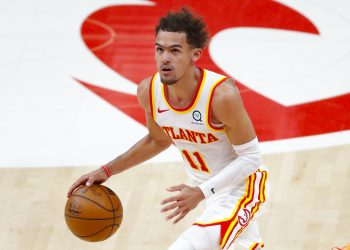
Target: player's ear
[(196, 54)]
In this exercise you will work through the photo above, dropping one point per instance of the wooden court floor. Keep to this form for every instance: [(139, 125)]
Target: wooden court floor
[(309, 208)]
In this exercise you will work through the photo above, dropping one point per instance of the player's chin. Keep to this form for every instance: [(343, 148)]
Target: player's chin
[(168, 80)]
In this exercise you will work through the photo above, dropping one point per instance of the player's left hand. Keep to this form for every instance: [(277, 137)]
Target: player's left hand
[(183, 202)]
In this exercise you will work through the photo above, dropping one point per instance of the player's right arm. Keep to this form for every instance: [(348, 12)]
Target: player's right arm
[(152, 144)]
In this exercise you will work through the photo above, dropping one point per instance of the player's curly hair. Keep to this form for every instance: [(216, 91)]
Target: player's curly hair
[(183, 20)]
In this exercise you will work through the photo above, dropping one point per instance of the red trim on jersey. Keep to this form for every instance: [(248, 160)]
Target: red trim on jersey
[(256, 207), (199, 84), (253, 210), (247, 200), (254, 246), (209, 107), (151, 95), (261, 196), (251, 199), (226, 223)]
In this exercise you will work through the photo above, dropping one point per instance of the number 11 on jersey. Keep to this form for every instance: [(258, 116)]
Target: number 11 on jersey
[(200, 165)]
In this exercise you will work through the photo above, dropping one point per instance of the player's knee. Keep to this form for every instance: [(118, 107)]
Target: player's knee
[(182, 244)]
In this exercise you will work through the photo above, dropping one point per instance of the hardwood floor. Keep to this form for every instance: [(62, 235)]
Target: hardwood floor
[(308, 209)]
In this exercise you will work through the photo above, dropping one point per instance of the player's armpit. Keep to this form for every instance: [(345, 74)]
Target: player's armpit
[(227, 107)]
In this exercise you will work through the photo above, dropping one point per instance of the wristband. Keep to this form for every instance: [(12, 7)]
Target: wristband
[(107, 171)]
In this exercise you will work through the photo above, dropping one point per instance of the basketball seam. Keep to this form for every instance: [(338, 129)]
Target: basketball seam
[(94, 202), (78, 218), (97, 231), (110, 233)]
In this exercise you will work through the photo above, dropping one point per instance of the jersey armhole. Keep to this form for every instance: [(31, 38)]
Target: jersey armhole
[(152, 97), (215, 127)]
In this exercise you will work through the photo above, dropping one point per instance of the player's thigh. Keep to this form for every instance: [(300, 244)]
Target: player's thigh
[(249, 239), (198, 238), (182, 243)]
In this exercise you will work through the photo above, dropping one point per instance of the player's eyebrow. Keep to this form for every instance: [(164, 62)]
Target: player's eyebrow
[(172, 46)]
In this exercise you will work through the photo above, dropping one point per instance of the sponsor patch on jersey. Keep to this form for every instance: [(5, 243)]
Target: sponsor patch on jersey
[(197, 116)]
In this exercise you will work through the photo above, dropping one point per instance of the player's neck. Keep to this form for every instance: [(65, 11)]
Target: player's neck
[(182, 92)]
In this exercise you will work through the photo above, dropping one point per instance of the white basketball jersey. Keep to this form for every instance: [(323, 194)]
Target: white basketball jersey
[(205, 147)]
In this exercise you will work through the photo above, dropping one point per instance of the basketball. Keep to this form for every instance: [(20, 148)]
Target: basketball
[(93, 213)]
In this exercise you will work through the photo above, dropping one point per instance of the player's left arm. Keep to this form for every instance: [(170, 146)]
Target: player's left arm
[(227, 108)]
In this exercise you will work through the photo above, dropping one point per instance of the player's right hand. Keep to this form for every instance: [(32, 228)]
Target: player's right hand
[(97, 176)]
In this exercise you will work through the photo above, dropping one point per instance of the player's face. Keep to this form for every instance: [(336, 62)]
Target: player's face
[(173, 56)]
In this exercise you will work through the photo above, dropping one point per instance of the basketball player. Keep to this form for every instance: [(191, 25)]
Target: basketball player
[(202, 113)]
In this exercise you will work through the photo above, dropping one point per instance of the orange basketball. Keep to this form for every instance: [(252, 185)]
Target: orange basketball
[(93, 213)]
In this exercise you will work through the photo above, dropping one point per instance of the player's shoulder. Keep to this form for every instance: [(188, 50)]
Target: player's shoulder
[(144, 84), (226, 91), (224, 85), (143, 91), (227, 103)]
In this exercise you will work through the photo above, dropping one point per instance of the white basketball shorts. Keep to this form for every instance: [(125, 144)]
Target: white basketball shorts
[(229, 218)]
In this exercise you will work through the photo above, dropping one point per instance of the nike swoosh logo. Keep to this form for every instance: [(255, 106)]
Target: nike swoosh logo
[(162, 110), (212, 190)]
